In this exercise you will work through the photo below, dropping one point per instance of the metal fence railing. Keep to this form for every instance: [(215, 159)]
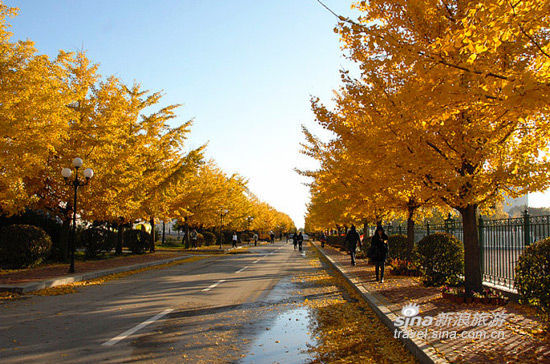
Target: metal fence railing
[(502, 241)]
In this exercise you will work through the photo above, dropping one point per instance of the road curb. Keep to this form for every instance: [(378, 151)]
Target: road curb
[(53, 282), (422, 351)]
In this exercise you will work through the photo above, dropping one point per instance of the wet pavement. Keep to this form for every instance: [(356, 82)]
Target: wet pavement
[(274, 328), (308, 316), (282, 335)]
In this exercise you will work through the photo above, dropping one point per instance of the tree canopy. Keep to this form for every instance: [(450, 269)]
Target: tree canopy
[(449, 108)]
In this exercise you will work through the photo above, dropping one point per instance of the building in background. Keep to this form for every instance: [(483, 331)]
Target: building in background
[(514, 207)]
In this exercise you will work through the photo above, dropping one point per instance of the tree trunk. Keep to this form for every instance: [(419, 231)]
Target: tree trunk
[(118, 248), (163, 233), (186, 235), (410, 233), (153, 237), (472, 251)]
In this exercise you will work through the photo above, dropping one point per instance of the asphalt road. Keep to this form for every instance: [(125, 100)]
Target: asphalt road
[(135, 318)]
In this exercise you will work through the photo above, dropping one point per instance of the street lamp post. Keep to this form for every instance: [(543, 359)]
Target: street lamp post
[(76, 182), (223, 212)]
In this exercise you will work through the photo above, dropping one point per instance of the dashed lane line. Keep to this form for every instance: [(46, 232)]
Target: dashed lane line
[(240, 270), (213, 285), (129, 332)]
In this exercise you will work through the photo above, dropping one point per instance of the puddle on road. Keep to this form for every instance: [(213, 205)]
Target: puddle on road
[(286, 341), (283, 335)]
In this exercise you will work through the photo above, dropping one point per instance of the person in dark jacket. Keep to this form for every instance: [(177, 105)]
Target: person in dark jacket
[(379, 248), (295, 240), (352, 238), (323, 240), (300, 239)]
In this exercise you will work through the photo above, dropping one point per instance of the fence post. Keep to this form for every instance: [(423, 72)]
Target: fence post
[(526, 228), (480, 229), (427, 228), (448, 222)]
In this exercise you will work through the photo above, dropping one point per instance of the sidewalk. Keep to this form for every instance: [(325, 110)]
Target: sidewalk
[(32, 279), (519, 339)]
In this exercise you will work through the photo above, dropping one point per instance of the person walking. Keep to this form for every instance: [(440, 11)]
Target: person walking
[(255, 239), (379, 252), (295, 240), (323, 240), (235, 239), (300, 239), (352, 238), (194, 238), (272, 237)]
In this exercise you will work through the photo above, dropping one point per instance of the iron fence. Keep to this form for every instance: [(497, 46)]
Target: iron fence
[(502, 241)]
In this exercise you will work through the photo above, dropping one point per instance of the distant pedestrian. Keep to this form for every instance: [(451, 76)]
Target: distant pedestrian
[(255, 239), (323, 240), (235, 239), (300, 239), (194, 238), (272, 237), (295, 240), (352, 238), (379, 252)]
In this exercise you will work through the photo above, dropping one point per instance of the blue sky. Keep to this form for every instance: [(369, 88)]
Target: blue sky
[(244, 70)]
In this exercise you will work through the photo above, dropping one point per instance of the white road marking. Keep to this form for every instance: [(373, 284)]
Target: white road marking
[(213, 285), (240, 270), (127, 333), (256, 261)]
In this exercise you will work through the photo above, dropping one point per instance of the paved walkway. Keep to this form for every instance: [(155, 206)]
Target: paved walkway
[(520, 338), (20, 276)]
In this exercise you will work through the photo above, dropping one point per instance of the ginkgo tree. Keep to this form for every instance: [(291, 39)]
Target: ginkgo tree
[(52, 111), (33, 116), (212, 197), (469, 86)]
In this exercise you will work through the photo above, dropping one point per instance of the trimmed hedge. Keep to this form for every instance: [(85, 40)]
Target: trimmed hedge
[(209, 238), (398, 248), (246, 237), (138, 241), (97, 240), (532, 278), (23, 246), (440, 257), (337, 241)]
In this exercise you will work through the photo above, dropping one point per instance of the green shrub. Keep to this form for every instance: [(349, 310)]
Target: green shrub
[(43, 220), (209, 238), (138, 241), (246, 237), (440, 257), (337, 241), (532, 278), (398, 248), (200, 239), (23, 246), (97, 240)]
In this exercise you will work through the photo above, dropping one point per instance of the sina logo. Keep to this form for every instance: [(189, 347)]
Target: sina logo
[(410, 318), (410, 310)]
